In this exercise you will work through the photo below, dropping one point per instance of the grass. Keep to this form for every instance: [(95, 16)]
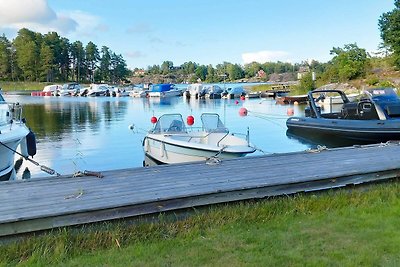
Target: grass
[(357, 227), (22, 86)]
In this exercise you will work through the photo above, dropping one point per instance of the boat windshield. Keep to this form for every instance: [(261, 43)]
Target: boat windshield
[(212, 123), (4, 112), (170, 123), (383, 95)]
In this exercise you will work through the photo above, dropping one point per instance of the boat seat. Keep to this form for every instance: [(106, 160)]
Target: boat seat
[(393, 110), (350, 110)]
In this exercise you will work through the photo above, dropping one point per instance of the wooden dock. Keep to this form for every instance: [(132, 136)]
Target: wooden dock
[(46, 203)]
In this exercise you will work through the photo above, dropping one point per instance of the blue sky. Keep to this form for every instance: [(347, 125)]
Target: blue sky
[(149, 32)]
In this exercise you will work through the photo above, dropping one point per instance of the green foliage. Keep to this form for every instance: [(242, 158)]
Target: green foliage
[(349, 63), (32, 56), (306, 84), (386, 83), (318, 229), (372, 80), (389, 26), (5, 58)]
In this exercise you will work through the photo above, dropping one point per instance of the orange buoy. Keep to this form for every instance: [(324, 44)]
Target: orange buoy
[(290, 112), (153, 119), (190, 120), (243, 112), (295, 103)]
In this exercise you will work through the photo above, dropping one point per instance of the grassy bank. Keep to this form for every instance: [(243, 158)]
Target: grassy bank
[(357, 227), (22, 86)]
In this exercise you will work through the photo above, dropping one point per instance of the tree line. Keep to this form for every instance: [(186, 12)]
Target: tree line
[(349, 62), (33, 56)]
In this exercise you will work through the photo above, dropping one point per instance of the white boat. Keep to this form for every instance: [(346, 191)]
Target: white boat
[(138, 92), (97, 90), (235, 92), (69, 89), (335, 99), (172, 142), (164, 90), (13, 133), (195, 90), (213, 92), (53, 88)]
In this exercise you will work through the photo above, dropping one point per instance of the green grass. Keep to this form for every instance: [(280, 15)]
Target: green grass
[(358, 227), (22, 86)]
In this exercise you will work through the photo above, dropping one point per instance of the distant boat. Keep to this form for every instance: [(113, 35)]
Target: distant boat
[(299, 99), (138, 92), (235, 92), (69, 89), (96, 90), (213, 92), (195, 90), (171, 142), (337, 99), (52, 89), (164, 90), (251, 94)]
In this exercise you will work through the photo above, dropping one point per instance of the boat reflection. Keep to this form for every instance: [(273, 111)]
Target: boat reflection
[(313, 141)]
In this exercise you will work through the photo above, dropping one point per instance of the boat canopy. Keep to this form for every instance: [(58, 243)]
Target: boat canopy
[(161, 87), (170, 123), (212, 123), (382, 94)]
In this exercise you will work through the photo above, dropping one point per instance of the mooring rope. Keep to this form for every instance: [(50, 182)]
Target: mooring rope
[(42, 167)]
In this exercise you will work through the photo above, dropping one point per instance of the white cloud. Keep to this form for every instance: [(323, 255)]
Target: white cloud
[(140, 28), (265, 56), (135, 54), (35, 15), (32, 11), (38, 16), (89, 25)]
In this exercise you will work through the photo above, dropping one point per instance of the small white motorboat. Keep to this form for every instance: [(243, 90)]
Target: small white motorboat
[(52, 89), (13, 133), (164, 90), (69, 89), (172, 142)]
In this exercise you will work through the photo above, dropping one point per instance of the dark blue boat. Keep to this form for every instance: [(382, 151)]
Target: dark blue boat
[(373, 117)]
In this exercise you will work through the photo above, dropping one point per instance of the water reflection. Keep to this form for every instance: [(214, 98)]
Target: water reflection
[(76, 134), (315, 140)]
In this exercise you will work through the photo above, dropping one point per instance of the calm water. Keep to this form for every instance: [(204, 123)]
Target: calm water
[(79, 133)]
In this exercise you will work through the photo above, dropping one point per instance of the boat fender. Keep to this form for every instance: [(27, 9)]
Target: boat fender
[(31, 143), (23, 147), (146, 145), (162, 149)]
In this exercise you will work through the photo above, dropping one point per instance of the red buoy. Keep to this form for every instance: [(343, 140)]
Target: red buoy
[(190, 120), (290, 112), (236, 102), (242, 97), (243, 112), (153, 119)]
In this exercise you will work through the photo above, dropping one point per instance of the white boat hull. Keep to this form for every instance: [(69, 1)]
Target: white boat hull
[(166, 152), (165, 93), (10, 138)]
